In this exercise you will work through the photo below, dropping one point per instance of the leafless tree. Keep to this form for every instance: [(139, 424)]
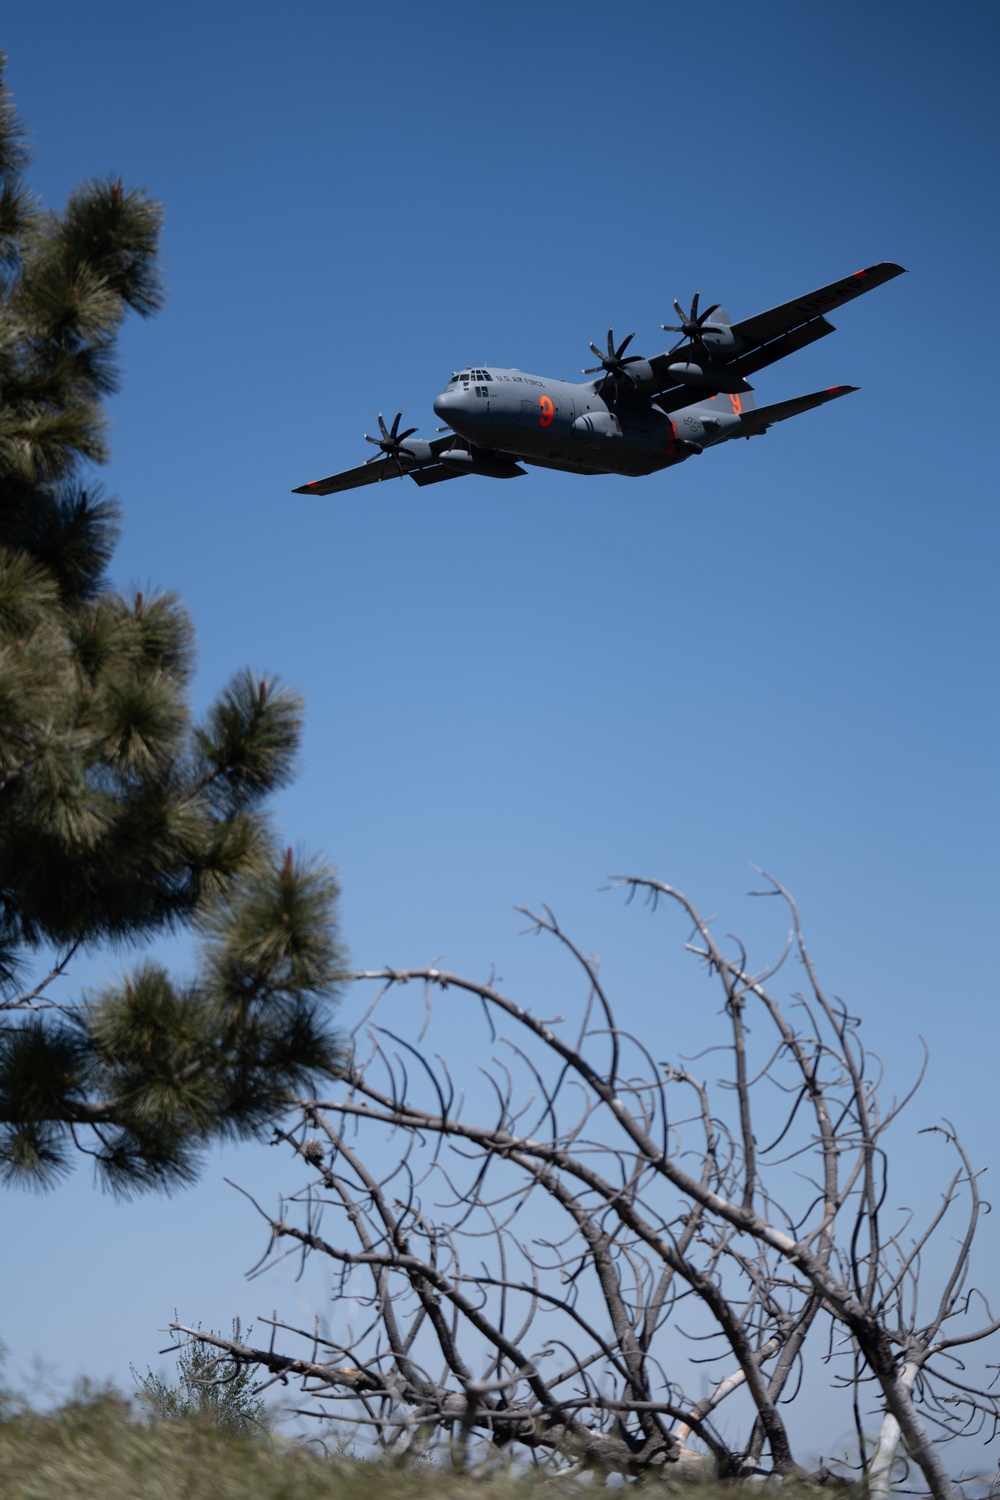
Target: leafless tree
[(543, 1262)]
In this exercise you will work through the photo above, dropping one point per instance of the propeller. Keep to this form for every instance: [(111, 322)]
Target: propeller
[(691, 325), (390, 443), (615, 363)]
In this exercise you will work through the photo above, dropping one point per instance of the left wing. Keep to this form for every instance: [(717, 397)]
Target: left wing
[(810, 308), (770, 336)]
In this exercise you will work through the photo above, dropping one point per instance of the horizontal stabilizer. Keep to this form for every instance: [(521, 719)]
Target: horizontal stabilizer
[(753, 423)]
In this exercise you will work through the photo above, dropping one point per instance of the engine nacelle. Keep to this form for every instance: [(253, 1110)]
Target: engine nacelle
[(639, 372), (491, 466), (720, 337), (417, 451), (705, 378)]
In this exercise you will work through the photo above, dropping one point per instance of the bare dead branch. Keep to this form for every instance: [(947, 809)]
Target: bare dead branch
[(541, 1263)]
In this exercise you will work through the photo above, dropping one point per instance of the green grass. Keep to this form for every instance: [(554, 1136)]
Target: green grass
[(101, 1446), (98, 1447)]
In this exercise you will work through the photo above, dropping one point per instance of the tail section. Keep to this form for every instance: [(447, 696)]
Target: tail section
[(756, 420), (722, 417), (735, 405)]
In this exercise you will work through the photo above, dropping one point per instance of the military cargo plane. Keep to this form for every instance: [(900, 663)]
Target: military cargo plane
[(636, 417)]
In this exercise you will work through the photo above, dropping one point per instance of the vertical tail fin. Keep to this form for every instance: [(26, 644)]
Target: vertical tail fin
[(731, 405)]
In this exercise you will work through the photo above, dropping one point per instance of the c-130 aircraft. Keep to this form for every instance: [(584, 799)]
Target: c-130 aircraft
[(637, 417)]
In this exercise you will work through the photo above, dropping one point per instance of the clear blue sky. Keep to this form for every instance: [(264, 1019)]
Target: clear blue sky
[(782, 653)]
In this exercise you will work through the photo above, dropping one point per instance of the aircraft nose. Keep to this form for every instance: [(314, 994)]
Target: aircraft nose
[(447, 404)]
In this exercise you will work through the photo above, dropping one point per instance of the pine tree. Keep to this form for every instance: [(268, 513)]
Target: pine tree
[(121, 818)]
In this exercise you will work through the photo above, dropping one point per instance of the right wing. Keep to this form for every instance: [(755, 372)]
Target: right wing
[(377, 469)]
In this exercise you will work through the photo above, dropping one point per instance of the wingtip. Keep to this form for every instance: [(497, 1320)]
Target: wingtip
[(884, 271)]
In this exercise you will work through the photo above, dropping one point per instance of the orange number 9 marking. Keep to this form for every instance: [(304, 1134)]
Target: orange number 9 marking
[(737, 404), (548, 410)]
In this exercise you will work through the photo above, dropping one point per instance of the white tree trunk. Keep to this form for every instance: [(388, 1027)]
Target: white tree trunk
[(880, 1473)]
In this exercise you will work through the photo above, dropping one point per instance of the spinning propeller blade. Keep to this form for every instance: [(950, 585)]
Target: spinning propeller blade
[(390, 444), (615, 363), (690, 326)]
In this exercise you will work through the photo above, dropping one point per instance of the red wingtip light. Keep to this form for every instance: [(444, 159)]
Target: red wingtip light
[(860, 273)]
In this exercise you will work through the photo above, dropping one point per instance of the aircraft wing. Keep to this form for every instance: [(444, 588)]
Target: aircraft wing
[(379, 469), (770, 336), (790, 315)]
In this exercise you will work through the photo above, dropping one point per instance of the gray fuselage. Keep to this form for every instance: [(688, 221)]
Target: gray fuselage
[(560, 425)]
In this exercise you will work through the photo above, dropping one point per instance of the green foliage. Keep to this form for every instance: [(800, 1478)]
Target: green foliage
[(120, 817), (207, 1389)]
